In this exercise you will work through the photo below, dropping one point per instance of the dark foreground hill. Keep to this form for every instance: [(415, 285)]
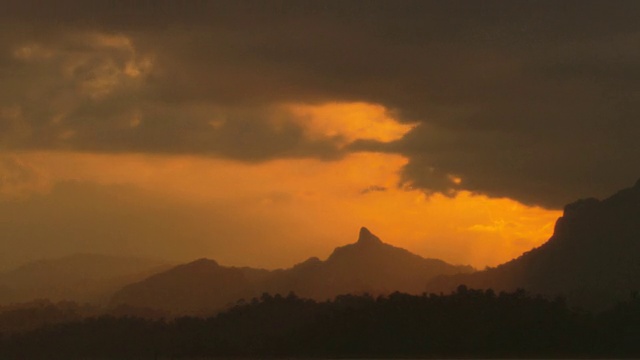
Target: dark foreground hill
[(593, 257), (369, 265), (465, 324)]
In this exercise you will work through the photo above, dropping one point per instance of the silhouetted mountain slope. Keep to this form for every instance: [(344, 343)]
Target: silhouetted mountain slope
[(80, 277), (369, 265), (195, 288), (593, 257)]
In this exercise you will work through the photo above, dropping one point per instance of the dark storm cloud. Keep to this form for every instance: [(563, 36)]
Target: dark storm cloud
[(533, 100)]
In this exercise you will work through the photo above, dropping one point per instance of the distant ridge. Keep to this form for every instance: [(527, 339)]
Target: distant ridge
[(194, 288), (592, 259), (368, 265), (83, 277)]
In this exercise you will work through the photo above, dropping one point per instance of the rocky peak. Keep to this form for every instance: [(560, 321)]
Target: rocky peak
[(581, 207), (593, 219), (367, 238)]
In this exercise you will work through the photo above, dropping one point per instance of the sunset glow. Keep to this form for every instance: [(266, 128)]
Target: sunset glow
[(309, 207), (350, 121)]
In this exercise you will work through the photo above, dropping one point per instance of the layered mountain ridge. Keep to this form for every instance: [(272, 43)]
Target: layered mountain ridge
[(368, 265), (592, 259)]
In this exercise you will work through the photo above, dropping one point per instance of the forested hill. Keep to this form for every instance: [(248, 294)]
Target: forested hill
[(467, 323)]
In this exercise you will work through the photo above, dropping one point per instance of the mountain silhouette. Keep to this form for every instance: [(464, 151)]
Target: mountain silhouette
[(79, 277), (592, 259), (368, 265), (193, 288)]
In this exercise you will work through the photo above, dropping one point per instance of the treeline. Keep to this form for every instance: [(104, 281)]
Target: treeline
[(38, 313), (466, 323)]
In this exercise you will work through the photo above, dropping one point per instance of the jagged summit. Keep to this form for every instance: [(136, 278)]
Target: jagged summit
[(369, 265), (361, 250), (366, 237)]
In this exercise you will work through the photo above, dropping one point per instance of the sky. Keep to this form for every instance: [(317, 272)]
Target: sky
[(261, 133)]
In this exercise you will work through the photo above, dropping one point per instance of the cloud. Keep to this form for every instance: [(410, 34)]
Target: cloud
[(90, 90), (535, 101), (18, 179), (373, 188)]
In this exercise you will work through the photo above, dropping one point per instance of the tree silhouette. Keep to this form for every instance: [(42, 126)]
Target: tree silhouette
[(465, 323)]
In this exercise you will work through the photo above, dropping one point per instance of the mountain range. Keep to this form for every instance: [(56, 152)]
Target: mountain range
[(592, 259), (369, 265)]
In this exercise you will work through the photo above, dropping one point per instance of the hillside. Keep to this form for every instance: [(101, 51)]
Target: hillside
[(592, 259)]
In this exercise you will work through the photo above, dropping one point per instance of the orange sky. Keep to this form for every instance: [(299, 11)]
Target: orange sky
[(303, 207), (262, 135)]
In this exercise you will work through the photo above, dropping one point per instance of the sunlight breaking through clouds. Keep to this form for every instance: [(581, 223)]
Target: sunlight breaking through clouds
[(349, 121)]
